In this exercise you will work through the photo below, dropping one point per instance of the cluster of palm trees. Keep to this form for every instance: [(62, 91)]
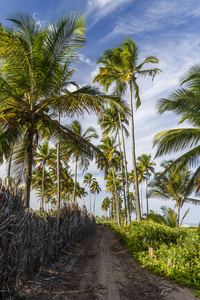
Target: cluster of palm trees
[(119, 67), (35, 81), (115, 185), (34, 78), (94, 188)]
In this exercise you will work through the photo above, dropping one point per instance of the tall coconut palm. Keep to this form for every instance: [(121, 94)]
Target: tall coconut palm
[(6, 153), (106, 76), (88, 180), (80, 191), (141, 177), (147, 167), (125, 59), (30, 60), (73, 150), (66, 183), (113, 122), (105, 204), (130, 71), (173, 185), (44, 156), (108, 148), (42, 181), (63, 81), (95, 189)]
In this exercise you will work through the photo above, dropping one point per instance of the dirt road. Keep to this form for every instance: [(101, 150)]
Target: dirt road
[(101, 268)]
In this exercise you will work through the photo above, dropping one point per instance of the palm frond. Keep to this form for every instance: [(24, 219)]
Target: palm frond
[(174, 140)]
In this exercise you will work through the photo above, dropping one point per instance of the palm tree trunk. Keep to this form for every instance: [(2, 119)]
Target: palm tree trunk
[(147, 196), (178, 215), (141, 201), (117, 199), (138, 212), (75, 179), (94, 204), (43, 187), (58, 170), (29, 158), (9, 166), (126, 173), (90, 200), (111, 209), (123, 181)]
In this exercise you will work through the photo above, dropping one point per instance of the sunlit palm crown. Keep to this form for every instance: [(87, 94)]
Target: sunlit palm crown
[(120, 65), (185, 103)]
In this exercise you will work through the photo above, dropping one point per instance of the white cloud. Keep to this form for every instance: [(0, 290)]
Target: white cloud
[(98, 9), (155, 16), (83, 59)]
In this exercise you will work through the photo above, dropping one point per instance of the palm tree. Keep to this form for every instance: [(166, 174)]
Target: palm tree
[(105, 204), (113, 122), (80, 191), (95, 189), (185, 102), (64, 78), (129, 58), (110, 187), (66, 184), (30, 60), (73, 149), (147, 166), (173, 185), (141, 177), (168, 218), (31, 64), (125, 58), (106, 76), (88, 180), (6, 153), (108, 148), (44, 156), (42, 181)]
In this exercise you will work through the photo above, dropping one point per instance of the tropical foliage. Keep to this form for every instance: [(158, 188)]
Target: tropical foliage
[(173, 185), (185, 102), (181, 246)]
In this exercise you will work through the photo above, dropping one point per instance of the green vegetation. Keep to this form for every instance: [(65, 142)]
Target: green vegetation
[(181, 246), (35, 80)]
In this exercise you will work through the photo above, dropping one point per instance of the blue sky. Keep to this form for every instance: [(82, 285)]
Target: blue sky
[(167, 29)]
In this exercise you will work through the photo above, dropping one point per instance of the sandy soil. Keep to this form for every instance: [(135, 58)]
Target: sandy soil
[(101, 268)]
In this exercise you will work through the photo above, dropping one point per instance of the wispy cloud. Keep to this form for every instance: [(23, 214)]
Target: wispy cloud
[(98, 9), (155, 16)]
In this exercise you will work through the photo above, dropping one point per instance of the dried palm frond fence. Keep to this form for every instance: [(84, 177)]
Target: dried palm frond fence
[(30, 241)]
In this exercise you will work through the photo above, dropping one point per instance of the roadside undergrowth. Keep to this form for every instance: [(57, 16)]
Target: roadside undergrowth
[(170, 252)]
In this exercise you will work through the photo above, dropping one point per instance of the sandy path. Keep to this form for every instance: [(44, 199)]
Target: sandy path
[(102, 268)]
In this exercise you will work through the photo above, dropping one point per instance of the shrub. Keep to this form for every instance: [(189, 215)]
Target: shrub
[(181, 245)]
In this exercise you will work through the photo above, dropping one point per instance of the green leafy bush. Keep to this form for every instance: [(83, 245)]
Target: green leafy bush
[(180, 245)]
